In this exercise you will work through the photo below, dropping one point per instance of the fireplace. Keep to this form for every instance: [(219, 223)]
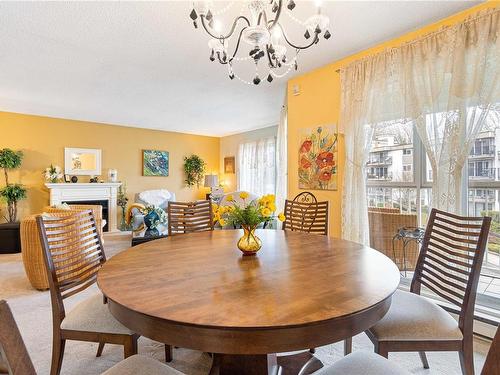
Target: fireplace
[(103, 194), (105, 209)]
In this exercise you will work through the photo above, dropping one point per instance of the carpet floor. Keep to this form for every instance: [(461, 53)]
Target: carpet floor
[(32, 311)]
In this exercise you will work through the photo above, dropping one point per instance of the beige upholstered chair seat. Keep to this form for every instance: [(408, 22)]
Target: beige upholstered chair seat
[(140, 364), (92, 315), (413, 317), (363, 363)]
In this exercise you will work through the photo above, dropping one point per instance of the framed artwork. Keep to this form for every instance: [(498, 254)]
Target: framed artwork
[(229, 165), (155, 163), (318, 157), (82, 161)]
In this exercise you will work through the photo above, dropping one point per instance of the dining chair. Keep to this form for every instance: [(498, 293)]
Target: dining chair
[(305, 214), (18, 361), (73, 255), (189, 217), (448, 265)]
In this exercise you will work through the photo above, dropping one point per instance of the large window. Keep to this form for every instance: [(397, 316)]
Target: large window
[(257, 166), (399, 181)]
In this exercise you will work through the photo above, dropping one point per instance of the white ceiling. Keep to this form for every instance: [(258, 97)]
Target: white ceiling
[(143, 64)]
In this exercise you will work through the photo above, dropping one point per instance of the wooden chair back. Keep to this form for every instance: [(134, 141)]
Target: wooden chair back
[(450, 260), (73, 255), (306, 214), (189, 217), (12, 347), (492, 363)]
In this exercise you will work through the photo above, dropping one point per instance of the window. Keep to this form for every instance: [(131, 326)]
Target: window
[(407, 151), (257, 166)]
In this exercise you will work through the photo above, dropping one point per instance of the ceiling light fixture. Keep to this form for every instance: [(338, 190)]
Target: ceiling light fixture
[(258, 25)]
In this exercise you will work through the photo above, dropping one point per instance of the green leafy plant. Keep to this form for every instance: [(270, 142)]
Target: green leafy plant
[(194, 167), (11, 193)]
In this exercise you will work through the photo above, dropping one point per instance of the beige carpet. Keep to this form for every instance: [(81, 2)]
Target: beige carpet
[(33, 314)]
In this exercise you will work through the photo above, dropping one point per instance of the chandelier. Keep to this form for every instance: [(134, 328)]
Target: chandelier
[(258, 26)]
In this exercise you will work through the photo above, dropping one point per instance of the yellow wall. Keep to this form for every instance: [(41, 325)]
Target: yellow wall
[(318, 103), (42, 139)]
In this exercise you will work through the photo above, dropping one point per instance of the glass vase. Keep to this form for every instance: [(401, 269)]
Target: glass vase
[(249, 243)]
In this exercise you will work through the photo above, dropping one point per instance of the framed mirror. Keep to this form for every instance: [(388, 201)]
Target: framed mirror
[(82, 161)]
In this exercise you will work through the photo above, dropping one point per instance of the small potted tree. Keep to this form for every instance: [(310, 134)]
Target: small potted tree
[(11, 193)]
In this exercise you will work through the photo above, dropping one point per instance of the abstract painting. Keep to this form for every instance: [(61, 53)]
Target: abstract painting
[(318, 157), (154, 163)]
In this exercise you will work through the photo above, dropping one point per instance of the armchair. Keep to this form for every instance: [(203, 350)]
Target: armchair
[(158, 198)]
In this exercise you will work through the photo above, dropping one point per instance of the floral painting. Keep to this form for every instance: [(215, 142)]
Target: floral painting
[(154, 163), (318, 156)]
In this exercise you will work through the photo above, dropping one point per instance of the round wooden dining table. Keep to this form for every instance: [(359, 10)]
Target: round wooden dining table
[(300, 291)]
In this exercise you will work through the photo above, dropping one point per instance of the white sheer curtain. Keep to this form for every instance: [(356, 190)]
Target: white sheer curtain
[(367, 99), (281, 160), (445, 83), (450, 79), (257, 166)]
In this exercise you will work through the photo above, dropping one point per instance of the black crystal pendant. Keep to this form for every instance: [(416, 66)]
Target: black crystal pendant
[(291, 5), (283, 59), (296, 65), (271, 50), (212, 56), (209, 15), (211, 23), (275, 7), (224, 56), (254, 51), (256, 80), (231, 76), (307, 35), (193, 15), (195, 24), (269, 78), (327, 35), (317, 30)]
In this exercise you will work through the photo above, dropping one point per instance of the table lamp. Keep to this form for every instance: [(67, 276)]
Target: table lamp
[(211, 181)]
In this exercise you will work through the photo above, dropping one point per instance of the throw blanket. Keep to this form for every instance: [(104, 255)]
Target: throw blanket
[(155, 197)]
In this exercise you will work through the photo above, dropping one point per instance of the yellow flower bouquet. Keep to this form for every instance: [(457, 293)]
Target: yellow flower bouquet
[(248, 215)]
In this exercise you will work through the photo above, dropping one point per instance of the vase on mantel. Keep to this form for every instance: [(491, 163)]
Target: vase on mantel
[(249, 243)]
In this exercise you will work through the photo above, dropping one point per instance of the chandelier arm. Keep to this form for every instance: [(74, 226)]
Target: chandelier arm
[(230, 31), (238, 43), (229, 60), (315, 39), (278, 13)]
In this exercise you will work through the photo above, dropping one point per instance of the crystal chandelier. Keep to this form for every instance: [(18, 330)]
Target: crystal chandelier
[(258, 26)]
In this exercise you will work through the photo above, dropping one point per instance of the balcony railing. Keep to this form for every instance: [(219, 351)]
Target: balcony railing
[(380, 161), (486, 151), (379, 177), (489, 173)]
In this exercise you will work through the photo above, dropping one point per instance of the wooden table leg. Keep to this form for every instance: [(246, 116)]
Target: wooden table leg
[(264, 364)]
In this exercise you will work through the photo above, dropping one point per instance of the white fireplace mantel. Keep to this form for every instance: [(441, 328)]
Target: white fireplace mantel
[(69, 192)]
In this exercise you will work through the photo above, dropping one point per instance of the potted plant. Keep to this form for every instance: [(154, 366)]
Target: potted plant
[(11, 193), (194, 167)]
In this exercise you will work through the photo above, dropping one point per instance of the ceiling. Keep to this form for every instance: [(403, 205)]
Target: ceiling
[(142, 64)]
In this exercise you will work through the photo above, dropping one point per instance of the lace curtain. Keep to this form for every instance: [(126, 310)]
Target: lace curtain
[(366, 99), (281, 160), (257, 166), (450, 81), (444, 83)]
